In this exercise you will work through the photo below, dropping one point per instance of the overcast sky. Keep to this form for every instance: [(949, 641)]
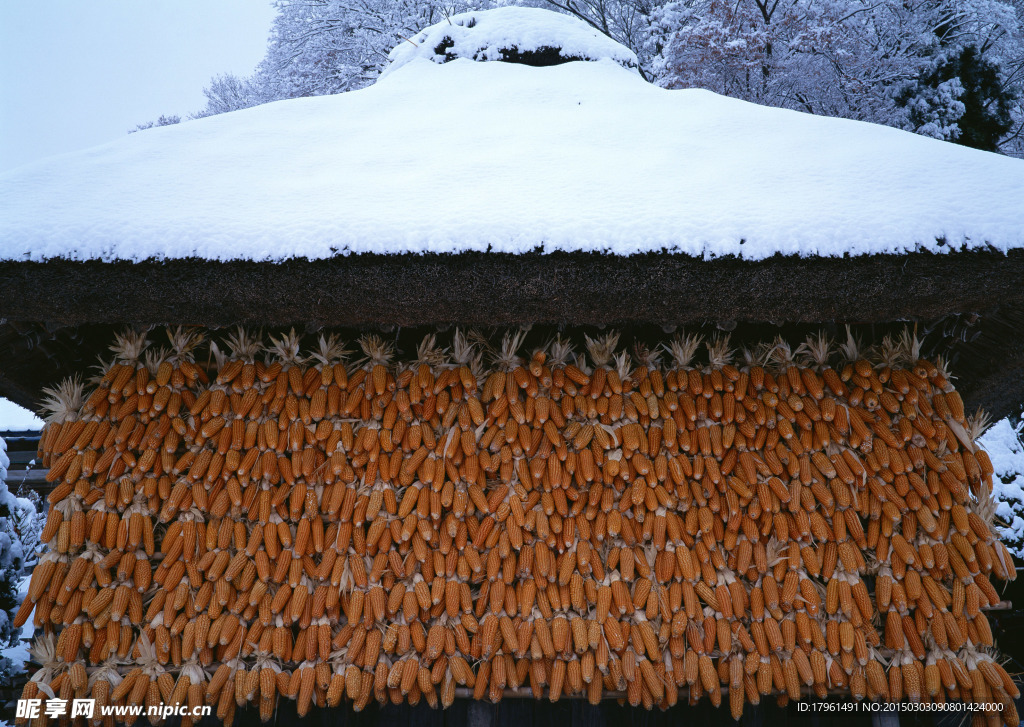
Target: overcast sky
[(74, 74)]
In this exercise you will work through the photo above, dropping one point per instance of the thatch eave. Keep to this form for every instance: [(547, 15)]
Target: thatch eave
[(504, 289)]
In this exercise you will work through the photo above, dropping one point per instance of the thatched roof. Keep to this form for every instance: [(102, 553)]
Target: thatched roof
[(467, 155)]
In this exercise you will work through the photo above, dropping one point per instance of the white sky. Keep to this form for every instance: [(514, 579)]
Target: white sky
[(75, 74)]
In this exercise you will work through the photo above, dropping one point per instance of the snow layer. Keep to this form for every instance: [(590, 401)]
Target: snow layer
[(482, 36), (1003, 444), (510, 158), (14, 417)]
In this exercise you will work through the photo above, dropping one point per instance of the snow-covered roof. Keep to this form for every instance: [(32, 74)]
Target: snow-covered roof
[(486, 156)]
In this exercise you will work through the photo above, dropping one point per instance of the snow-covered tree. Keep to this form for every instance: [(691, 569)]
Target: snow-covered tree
[(320, 47), (1003, 444), (15, 514), (229, 92), (832, 57), (960, 97), (164, 120), (879, 61)]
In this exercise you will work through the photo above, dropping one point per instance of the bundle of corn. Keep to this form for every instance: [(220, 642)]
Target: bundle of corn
[(281, 526)]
